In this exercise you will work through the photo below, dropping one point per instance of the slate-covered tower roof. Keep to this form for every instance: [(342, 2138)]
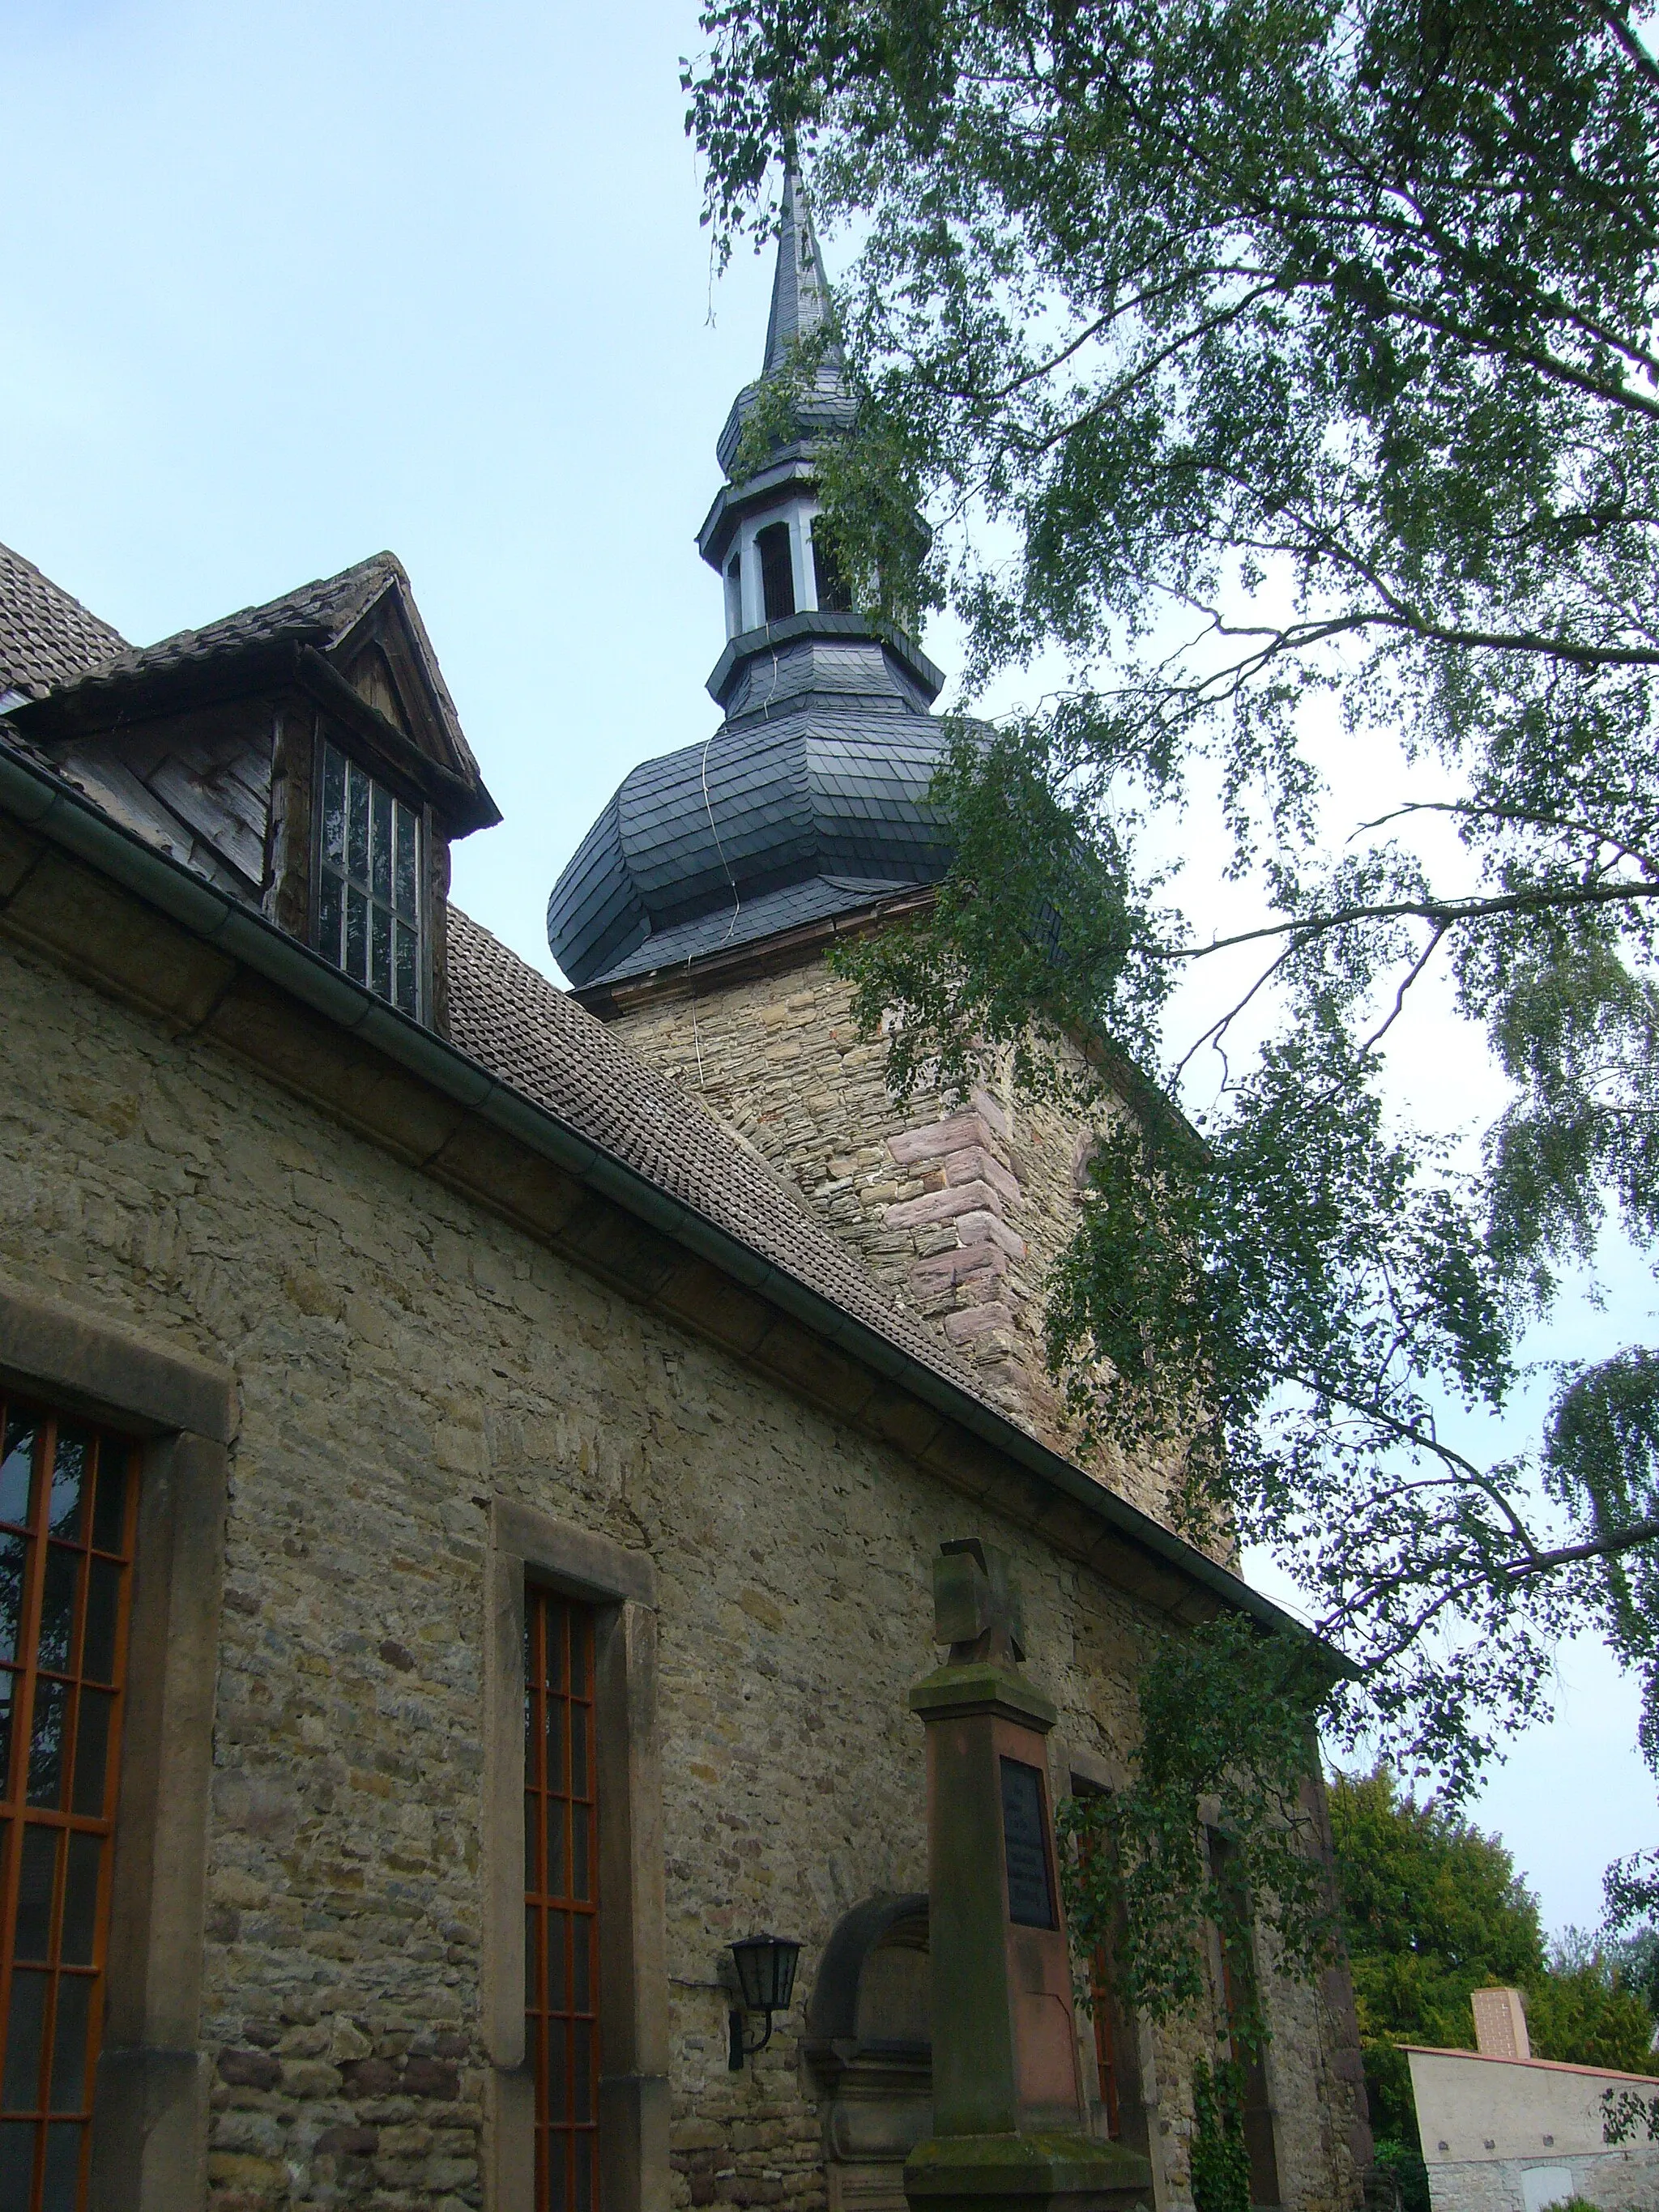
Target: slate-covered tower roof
[(810, 799)]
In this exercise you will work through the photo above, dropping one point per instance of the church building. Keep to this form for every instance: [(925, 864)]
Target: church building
[(473, 1455)]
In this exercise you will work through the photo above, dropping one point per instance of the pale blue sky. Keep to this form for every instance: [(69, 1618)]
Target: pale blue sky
[(282, 284)]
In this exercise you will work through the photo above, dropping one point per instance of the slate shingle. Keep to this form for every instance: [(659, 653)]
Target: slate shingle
[(830, 781)]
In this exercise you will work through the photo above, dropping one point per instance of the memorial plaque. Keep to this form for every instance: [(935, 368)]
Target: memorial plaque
[(1026, 1847)]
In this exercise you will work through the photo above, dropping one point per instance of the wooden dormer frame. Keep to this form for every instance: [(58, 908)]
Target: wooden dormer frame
[(291, 683)]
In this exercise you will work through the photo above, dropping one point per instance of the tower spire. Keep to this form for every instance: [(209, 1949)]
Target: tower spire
[(801, 305)]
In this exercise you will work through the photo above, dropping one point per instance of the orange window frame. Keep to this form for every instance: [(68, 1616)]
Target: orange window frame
[(561, 1899), (69, 1510)]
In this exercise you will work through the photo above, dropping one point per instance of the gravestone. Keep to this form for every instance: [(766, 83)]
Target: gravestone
[(867, 2044), (1010, 2112)]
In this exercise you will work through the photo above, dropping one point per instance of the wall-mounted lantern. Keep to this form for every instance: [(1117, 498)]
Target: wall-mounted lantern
[(766, 1976)]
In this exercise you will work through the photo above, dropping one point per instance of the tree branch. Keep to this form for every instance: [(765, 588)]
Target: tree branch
[(1444, 912), (1598, 1547)]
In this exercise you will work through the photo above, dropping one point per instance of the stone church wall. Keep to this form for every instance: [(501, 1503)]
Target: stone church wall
[(403, 1357), (961, 1210)]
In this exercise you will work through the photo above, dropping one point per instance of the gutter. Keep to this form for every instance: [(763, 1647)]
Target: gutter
[(71, 821)]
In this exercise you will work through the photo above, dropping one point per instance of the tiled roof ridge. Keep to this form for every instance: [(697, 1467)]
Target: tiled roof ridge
[(323, 609), (519, 1026), (47, 636)]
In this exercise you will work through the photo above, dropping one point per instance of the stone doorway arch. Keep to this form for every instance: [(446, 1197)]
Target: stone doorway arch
[(868, 2045)]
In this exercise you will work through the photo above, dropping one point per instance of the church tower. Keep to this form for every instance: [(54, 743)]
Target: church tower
[(695, 916)]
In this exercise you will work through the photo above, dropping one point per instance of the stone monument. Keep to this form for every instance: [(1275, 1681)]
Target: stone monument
[(1009, 2108)]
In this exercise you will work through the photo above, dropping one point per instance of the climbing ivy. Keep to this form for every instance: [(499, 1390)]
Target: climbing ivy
[(1216, 1821), (1220, 2164)]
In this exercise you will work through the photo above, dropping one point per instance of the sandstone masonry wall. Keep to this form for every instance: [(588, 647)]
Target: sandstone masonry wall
[(403, 1356), (960, 1210)]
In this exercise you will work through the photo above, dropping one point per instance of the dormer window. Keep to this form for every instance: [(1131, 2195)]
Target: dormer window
[(368, 883), (777, 570)]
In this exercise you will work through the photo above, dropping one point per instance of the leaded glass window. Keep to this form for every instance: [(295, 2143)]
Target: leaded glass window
[(368, 883)]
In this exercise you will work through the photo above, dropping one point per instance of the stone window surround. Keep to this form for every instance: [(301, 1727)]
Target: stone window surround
[(528, 1545), (150, 2100)]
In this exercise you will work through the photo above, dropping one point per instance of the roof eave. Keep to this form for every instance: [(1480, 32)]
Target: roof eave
[(608, 995)]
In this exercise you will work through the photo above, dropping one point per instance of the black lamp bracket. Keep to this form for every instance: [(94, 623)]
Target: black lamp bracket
[(739, 2049)]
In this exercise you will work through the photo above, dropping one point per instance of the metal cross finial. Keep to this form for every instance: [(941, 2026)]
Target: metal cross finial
[(976, 1605)]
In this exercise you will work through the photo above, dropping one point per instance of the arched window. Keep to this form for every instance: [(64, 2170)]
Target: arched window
[(834, 592), (777, 570)]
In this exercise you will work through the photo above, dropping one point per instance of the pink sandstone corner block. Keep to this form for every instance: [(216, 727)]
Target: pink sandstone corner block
[(976, 1162), (943, 1205), (994, 1114), (936, 1139), (946, 1269), (977, 1321), (990, 1229)]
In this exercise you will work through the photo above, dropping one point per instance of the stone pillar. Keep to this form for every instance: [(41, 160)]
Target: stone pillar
[(1008, 2098)]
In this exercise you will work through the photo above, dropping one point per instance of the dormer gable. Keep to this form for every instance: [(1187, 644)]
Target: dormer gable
[(305, 756), (383, 651), (370, 676), (314, 636)]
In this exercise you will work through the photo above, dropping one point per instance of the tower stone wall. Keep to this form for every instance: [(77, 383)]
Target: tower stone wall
[(696, 913), (959, 1208)]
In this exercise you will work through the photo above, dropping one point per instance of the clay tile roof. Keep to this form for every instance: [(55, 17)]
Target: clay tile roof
[(519, 1026), (47, 638)]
